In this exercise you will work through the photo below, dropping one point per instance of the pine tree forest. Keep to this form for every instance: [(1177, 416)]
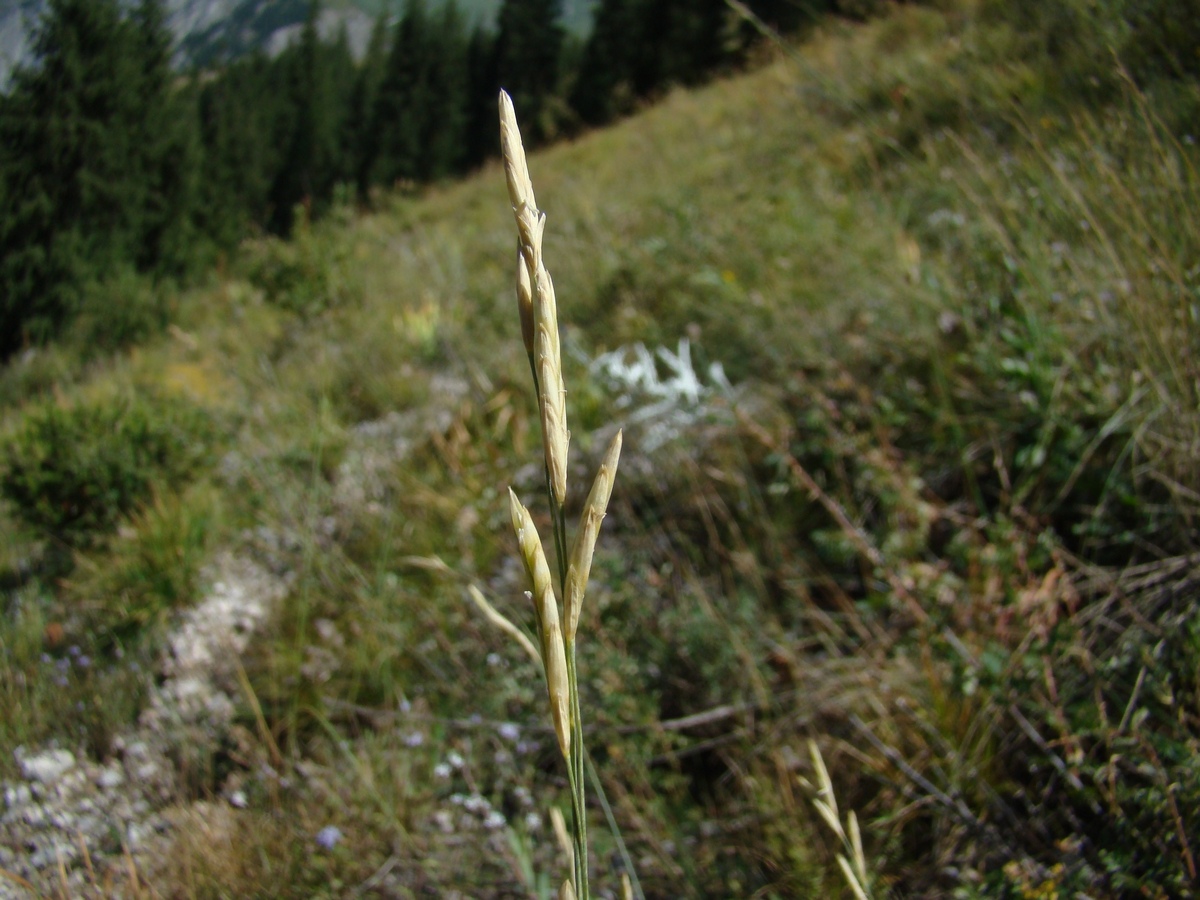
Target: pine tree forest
[(116, 168)]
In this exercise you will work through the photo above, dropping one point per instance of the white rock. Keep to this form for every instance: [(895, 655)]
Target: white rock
[(16, 795), (48, 767)]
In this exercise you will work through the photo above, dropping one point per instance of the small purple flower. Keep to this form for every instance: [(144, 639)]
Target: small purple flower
[(83, 661), (416, 739), (509, 731), (74, 650), (328, 837)]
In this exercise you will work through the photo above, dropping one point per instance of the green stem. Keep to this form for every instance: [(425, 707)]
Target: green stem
[(575, 766)]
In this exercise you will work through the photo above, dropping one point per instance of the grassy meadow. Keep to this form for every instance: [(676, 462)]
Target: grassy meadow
[(921, 484)]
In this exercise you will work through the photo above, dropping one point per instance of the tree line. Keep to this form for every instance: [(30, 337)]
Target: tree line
[(113, 166)]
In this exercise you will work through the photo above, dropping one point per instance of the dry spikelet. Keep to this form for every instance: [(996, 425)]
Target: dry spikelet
[(501, 621), (626, 887), (516, 171), (563, 836), (566, 892), (545, 350), (554, 656), (525, 302), (580, 566), (552, 394)]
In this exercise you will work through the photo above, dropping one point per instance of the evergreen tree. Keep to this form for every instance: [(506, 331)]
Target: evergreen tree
[(604, 85), (165, 147), (341, 77), (361, 144), (444, 118), (75, 173), (308, 170), (527, 61), (245, 118), (420, 109), (399, 107), (481, 137)]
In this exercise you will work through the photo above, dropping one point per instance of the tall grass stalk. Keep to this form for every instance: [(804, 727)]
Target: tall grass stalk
[(557, 612)]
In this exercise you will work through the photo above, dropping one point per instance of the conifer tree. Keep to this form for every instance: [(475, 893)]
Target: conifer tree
[(165, 146), (528, 47), (361, 142), (245, 118), (75, 174), (308, 169), (604, 84), (443, 120), (480, 137), (420, 109), (399, 105)]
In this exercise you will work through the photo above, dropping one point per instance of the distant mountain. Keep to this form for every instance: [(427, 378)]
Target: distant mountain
[(211, 31)]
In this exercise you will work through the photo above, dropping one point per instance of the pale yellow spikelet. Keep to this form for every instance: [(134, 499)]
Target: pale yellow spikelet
[(626, 887), (539, 330), (580, 565), (552, 394), (851, 880), (525, 302), (563, 836), (502, 622), (532, 553), (516, 171), (554, 656), (566, 892)]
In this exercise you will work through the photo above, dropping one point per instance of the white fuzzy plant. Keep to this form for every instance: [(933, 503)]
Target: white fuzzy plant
[(556, 609)]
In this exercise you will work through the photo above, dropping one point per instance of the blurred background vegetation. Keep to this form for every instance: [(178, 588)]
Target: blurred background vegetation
[(921, 482)]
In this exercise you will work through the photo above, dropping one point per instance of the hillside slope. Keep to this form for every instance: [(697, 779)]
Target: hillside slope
[(902, 336)]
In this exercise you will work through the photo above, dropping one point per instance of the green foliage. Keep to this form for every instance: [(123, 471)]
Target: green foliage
[(243, 123), (528, 45), (419, 110), (304, 275), (122, 310), (97, 166), (74, 693), (316, 80), (124, 589), (73, 472)]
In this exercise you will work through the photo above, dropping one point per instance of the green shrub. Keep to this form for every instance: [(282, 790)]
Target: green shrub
[(119, 311), (152, 568), (307, 274), (74, 471)]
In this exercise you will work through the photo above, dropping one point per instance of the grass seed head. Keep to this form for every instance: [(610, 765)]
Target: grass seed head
[(563, 836), (525, 302), (532, 553), (580, 565), (516, 171), (554, 656)]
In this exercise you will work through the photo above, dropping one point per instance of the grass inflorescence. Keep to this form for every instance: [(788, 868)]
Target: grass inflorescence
[(557, 620)]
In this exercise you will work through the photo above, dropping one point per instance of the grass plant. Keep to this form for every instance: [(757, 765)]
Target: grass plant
[(942, 521), (557, 621)]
